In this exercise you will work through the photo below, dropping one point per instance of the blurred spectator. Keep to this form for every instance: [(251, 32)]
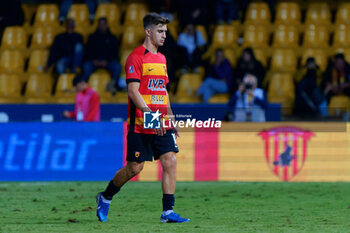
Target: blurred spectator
[(219, 78), (191, 45), (194, 11), (164, 7), (308, 96), (66, 50), (249, 101), (87, 102), (336, 80), (226, 11), (66, 4), (102, 51), (11, 14), (248, 64)]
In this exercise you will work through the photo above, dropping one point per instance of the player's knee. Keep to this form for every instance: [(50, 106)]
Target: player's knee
[(135, 169), (170, 163)]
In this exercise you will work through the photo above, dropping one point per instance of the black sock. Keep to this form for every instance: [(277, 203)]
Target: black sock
[(110, 191), (168, 202)]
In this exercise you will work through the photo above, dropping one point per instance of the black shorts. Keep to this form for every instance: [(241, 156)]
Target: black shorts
[(143, 147)]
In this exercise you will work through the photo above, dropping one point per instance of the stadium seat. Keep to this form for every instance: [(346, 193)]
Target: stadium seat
[(37, 61), (343, 13), (113, 15), (98, 81), (318, 13), (283, 60), (342, 36), (258, 13), (320, 56), (120, 97), (339, 105), (14, 38), (29, 10), (10, 88), (47, 15), (134, 14), (11, 61), (286, 36), (255, 36), (203, 31), (43, 38), (225, 36), (316, 36), (38, 88), (65, 92), (288, 13), (173, 30), (281, 90), (187, 87), (219, 99), (261, 55), (132, 37), (80, 14)]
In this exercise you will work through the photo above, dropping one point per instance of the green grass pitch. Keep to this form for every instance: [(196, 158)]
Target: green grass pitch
[(212, 207)]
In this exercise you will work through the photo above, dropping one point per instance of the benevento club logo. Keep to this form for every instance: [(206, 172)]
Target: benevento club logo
[(152, 120), (286, 150)]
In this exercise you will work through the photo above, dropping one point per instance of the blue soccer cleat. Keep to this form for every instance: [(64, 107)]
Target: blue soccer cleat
[(102, 208), (173, 217)]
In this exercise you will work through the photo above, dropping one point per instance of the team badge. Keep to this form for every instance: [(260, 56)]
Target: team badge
[(131, 69), (137, 154), (285, 150)]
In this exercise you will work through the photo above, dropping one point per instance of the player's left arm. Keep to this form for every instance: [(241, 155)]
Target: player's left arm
[(171, 116)]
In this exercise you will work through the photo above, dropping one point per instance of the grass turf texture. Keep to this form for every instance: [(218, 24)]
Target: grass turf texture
[(212, 207)]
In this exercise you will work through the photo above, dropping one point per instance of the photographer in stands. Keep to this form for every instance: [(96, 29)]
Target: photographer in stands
[(249, 101)]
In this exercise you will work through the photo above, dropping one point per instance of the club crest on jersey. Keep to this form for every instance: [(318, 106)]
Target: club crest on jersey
[(131, 69), (156, 85), (137, 154)]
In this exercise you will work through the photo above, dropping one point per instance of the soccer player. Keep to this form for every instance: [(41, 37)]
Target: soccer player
[(146, 77)]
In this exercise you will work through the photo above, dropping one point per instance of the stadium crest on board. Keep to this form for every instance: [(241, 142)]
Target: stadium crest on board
[(286, 150)]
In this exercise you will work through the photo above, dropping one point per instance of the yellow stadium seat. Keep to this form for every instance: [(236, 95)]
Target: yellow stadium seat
[(258, 13), (123, 56), (29, 11), (288, 13), (286, 36), (219, 99), (37, 61), (134, 14), (113, 15), (343, 13), (318, 13), (316, 36), (38, 88), (283, 60), (80, 14), (11, 61), (14, 38), (255, 36), (173, 30), (132, 37), (187, 88), (43, 38), (281, 90), (345, 51), (98, 81), (10, 88), (339, 105), (65, 92), (261, 55), (319, 55), (203, 31), (225, 36), (47, 15), (120, 97), (342, 36)]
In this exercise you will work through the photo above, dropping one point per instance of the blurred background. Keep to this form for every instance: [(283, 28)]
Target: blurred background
[(278, 62)]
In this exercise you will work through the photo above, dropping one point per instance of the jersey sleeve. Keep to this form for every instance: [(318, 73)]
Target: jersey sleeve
[(133, 69)]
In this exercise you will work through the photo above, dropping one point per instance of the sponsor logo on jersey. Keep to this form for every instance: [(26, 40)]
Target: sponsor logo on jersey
[(157, 99), (156, 84)]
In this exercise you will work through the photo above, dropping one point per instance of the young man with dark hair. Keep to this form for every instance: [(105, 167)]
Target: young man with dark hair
[(146, 77)]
